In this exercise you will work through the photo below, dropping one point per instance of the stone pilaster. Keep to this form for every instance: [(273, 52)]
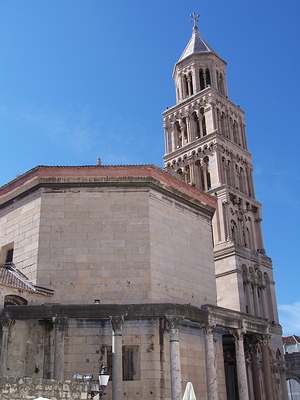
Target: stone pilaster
[(117, 368), (175, 366), (6, 326), (266, 364), (60, 325), (211, 364)]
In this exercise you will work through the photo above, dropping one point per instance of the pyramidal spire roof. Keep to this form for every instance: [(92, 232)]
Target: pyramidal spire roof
[(196, 45)]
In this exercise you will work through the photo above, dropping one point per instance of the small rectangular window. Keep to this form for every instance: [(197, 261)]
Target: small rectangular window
[(130, 362), (9, 256)]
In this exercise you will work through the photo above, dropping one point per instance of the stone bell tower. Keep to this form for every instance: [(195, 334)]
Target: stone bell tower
[(206, 146)]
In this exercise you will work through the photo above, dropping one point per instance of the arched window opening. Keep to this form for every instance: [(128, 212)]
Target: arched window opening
[(184, 129), (245, 243), (207, 76), (234, 231), (198, 175), (223, 123), (196, 125), (237, 174), (245, 287), (187, 174), (180, 173), (235, 132), (202, 80), (228, 173), (178, 136), (221, 84), (203, 122), (218, 121), (242, 180), (186, 86), (248, 236), (13, 300), (223, 170), (270, 311), (207, 180), (191, 84)]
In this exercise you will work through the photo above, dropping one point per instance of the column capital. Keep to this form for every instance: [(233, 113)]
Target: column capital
[(7, 323), (173, 322), (117, 323), (238, 333), (60, 323), (209, 329)]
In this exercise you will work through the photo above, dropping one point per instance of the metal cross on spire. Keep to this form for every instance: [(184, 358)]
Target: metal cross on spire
[(195, 19)]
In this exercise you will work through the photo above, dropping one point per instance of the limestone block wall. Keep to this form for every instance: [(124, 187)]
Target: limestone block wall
[(124, 246), (87, 345), (19, 227), (193, 364), (94, 244), (182, 267), (229, 284), (29, 389), (26, 349)]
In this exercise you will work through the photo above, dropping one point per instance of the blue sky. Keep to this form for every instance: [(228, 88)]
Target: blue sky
[(82, 79)]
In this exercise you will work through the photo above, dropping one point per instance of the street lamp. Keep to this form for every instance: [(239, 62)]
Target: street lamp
[(103, 381)]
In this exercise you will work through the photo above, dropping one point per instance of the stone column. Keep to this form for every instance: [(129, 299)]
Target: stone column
[(6, 325), (59, 348), (204, 168), (117, 367), (190, 92), (173, 137), (175, 366), (241, 366), (255, 372), (250, 376), (180, 88), (194, 80), (189, 128), (193, 173), (211, 367), (266, 364), (183, 85)]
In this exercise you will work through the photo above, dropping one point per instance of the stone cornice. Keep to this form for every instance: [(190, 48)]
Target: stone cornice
[(125, 176), (229, 249), (207, 315), (206, 96)]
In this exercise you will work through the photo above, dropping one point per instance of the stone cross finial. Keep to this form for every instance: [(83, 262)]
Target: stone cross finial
[(195, 19)]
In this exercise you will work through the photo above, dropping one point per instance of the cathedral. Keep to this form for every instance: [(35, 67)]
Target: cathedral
[(160, 275)]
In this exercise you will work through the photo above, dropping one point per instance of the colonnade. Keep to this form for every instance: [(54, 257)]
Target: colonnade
[(258, 293), (252, 384), (196, 173), (185, 130)]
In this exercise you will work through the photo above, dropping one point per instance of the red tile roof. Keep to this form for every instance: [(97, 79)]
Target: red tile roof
[(111, 173), (12, 277), (288, 340)]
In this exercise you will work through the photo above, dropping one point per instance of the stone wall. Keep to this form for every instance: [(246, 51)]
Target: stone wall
[(30, 389), (94, 244), (19, 228), (121, 245), (182, 265)]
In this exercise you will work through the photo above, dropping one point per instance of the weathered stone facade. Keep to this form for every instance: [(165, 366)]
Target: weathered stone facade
[(30, 389)]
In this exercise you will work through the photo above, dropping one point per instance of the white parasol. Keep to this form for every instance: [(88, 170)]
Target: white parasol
[(189, 393)]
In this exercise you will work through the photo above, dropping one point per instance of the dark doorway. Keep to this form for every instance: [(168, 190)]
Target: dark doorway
[(230, 367)]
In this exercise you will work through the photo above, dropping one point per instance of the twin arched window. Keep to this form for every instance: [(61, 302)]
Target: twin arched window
[(204, 78)]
